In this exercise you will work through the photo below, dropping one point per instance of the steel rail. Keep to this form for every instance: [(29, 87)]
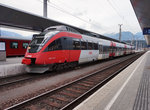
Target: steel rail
[(72, 103)]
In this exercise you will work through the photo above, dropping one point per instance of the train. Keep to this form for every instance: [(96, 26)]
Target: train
[(15, 46), (63, 46)]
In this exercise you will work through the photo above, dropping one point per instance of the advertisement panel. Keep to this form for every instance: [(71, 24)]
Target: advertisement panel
[(2, 46)]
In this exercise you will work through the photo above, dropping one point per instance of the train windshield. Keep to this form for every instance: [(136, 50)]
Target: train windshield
[(39, 41)]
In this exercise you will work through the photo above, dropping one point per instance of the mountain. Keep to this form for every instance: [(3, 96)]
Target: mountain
[(14, 35), (138, 38), (8, 33), (126, 35)]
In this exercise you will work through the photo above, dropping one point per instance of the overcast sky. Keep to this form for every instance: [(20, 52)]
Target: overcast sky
[(100, 16)]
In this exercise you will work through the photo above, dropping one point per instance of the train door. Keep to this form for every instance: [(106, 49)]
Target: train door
[(71, 49), (66, 43), (75, 50), (100, 56)]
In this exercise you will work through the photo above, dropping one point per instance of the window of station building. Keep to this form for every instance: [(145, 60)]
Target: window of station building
[(55, 45), (25, 45), (14, 45), (90, 45), (76, 44), (83, 45)]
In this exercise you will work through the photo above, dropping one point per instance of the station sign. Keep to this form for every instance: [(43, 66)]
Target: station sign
[(146, 31), (2, 46)]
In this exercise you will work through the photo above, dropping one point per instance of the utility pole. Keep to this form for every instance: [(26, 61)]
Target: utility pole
[(45, 8), (132, 43), (120, 31), (136, 44)]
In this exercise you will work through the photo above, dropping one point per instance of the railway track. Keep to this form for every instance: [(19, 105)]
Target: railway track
[(14, 80), (71, 94), (21, 79)]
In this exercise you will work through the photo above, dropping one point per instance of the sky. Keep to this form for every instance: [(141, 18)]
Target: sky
[(100, 16)]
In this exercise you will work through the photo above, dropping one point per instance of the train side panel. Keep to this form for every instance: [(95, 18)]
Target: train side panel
[(15, 47)]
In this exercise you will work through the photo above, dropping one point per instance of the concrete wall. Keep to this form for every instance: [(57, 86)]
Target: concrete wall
[(11, 69), (2, 55)]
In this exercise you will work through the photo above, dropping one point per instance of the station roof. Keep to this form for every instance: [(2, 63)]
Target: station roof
[(142, 11), (16, 18)]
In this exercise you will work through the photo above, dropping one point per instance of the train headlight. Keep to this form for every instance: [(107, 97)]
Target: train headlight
[(28, 49)]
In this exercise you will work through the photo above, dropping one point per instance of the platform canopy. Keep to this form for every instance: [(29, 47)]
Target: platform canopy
[(142, 11), (16, 18)]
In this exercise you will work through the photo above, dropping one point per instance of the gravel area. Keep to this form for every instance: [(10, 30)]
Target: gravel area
[(15, 95)]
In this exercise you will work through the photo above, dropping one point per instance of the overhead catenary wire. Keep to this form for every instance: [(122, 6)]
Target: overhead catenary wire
[(123, 19), (69, 7), (66, 12), (116, 10)]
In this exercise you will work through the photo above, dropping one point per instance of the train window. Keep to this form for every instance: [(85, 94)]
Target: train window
[(106, 49), (55, 45), (76, 44), (25, 45), (95, 46), (90, 45), (83, 45), (114, 49), (14, 45), (110, 49)]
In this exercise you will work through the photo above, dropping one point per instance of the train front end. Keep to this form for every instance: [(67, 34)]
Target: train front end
[(34, 54)]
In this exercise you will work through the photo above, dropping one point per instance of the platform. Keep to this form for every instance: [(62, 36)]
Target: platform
[(11, 66), (129, 90)]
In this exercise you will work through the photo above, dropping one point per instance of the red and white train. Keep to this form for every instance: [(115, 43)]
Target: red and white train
[(15, 46), (59, 46)]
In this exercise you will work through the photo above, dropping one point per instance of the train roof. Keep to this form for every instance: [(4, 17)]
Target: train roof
[(70, 29)]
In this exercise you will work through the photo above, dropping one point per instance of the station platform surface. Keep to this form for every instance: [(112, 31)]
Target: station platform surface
[(12, 66), (12, 60), (129, 90)]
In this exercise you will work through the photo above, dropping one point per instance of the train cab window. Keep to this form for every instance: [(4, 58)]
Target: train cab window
[(90, 45), (76, 44), (37, 41), (14, 45), (25, 45), (55, 45)]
